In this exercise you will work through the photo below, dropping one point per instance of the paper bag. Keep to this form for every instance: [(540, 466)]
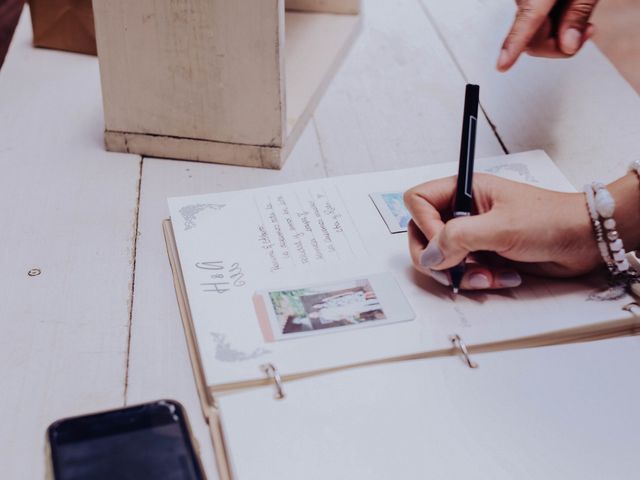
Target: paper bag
[(63, 25)]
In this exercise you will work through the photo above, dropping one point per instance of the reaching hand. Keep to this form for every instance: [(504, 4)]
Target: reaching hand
[(547, 28), (526, 228)]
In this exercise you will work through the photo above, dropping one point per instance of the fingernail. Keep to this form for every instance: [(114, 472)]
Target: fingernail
[(479, 281), (509, 279), (571, 40), (502, 59), (440, 277), (432, 255)]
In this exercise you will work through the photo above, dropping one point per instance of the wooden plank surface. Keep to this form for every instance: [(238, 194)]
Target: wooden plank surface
[(315, 47), (580, 111), (396, 102), (69, 210)]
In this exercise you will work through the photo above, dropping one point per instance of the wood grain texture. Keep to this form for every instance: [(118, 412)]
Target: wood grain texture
[(193, 149), (580, 111), (69, 210), (326, 6), (398, 100), (171, 90), (315, 47), (204, 69)]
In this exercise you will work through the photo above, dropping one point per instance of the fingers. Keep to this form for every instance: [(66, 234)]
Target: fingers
[(417, 244), (426, 201), (544, 43), (479, 277), (530, 16), (433, 243), (464, 235), (575, 25), (451, 242), (532, 30)]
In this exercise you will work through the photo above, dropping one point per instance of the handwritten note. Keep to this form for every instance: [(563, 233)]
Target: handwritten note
[(219, 277), (304, 227)]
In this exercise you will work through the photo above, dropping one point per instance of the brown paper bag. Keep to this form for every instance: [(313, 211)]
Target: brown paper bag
[(63, 25)]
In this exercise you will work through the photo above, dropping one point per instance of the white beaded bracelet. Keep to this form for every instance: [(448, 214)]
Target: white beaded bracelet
[(597, 228), (606, 206)]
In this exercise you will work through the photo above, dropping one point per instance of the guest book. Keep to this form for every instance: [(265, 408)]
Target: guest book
[(319, 351)]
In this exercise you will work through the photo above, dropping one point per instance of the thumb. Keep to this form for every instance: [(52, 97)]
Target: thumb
[(461, 236), (574, 25)]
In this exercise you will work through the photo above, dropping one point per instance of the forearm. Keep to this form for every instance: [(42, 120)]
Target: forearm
[(626, 192)]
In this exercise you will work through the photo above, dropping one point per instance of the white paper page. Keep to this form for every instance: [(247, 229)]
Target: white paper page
[(326, 246), (567, 412)]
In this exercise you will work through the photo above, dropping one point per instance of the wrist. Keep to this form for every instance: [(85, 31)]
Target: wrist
[(578, 237)]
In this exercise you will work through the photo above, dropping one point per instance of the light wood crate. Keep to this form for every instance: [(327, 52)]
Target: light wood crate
[(223, 81)]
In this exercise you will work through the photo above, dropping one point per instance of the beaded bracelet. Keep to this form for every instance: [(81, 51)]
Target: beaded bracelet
[(597, 228), (606, 206)]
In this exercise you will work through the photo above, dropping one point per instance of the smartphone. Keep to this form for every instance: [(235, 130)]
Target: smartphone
[(150, 441)]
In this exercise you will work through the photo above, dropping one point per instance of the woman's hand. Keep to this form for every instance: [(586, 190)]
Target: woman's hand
[(530, 229), (547, 28)]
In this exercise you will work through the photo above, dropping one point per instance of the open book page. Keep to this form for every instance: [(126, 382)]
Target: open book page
[(566, 411), (310, 275)]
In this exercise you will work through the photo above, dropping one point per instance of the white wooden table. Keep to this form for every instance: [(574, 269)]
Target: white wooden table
[(99, 328)]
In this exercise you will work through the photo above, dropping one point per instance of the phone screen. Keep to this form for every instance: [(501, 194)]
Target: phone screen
[(146, 442)]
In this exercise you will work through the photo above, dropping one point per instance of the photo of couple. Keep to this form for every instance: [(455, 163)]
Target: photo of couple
[(354, 303), (310, 309)]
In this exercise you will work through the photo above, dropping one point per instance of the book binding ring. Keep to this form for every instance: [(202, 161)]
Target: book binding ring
[(272, 373), (462, 347)]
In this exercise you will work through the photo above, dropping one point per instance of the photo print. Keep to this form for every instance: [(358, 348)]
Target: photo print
[(332, 307), (391, 207)]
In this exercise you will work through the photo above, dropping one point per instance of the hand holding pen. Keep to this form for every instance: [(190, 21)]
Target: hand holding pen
[(462, 202), (517, 227)]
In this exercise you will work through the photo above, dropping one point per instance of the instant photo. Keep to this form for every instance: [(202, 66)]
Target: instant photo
[(391, 207), (361, 302)]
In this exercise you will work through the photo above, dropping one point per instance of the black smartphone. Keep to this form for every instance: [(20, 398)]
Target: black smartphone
[(150, 441)]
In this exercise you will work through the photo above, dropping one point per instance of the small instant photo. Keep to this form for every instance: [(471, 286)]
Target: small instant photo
[(339, 306), (392, 209)]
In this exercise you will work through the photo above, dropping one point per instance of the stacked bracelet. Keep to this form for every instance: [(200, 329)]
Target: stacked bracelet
[(606, 206), (624, 267), (597, 228)]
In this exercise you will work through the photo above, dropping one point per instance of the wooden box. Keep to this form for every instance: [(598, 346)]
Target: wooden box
[(224, 81)]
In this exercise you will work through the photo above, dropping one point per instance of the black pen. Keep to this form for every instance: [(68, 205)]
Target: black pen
[(463, 203)]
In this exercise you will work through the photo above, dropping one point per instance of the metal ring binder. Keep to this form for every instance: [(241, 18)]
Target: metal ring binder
[(272, 372), (460, 345)]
